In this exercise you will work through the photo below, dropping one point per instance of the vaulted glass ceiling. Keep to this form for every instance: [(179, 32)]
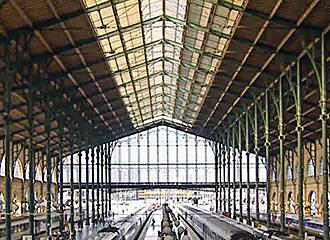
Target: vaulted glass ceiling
[(163, 54)]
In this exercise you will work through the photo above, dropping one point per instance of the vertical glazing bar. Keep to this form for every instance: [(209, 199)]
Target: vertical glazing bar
[(79, 182), (282, 160), (72, 230), (247, 148), (240, 171), (300, 154), (228, 173), (267, 145), (87, 181), (93, 185), (324, 113), (31, 155), (98, 183), (216, 175), (60, 124), (49, 167), (256, 151), (8, 138), (234, 173)]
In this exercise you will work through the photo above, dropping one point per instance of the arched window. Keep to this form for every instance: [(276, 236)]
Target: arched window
[(38, 176), (3, 171), (18, 173), (310, 168), (312, 202), (290, 172)]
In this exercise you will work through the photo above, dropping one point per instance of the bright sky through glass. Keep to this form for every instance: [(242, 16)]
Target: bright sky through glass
[(163, 54)]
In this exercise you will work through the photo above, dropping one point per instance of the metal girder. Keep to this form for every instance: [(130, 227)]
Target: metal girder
[(280, 20), (92, 40)]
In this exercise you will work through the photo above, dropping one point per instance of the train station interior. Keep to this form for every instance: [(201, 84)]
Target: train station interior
[(164, 119)]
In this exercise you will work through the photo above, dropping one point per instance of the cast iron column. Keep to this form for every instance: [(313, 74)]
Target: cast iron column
[(224, 172), (282, 160), (228, 172), (8, 138), (220, 175), (267, 145), (240, 171), (109, 174), (31, 154), (49, 166), (71, 183), (256, 151), (300, 153), (87, 181), (216, 177), (102, 180), (93, 186), (234, 173), (106, 180), (79, 183), (98, 182), (324, 117), (60, 125), (247, 148)]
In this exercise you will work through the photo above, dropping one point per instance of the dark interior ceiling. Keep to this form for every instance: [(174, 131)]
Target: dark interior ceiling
[(119, 67)]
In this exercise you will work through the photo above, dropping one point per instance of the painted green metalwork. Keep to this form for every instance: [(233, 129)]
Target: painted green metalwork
[(247, 147), (240, 171), (72, 230), (93, 186), (9, 77), (216, 162), (324, 118), (110, 146), (228, 173), (106, 179), (267, 157), (49, 165), (281, 156), (98, 197), (102, 181), (31, 155), (87, 181), (234, 171), (220, 174), (224, 171), (80, 222), (60, 125), (256, 151)]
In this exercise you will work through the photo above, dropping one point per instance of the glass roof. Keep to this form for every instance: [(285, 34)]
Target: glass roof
[(163, 54)]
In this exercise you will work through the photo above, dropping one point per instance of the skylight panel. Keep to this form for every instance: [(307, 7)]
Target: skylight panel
[(170, 68)]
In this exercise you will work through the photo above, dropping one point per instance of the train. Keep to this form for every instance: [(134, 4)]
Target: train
[(211, 227), (128, 228)]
